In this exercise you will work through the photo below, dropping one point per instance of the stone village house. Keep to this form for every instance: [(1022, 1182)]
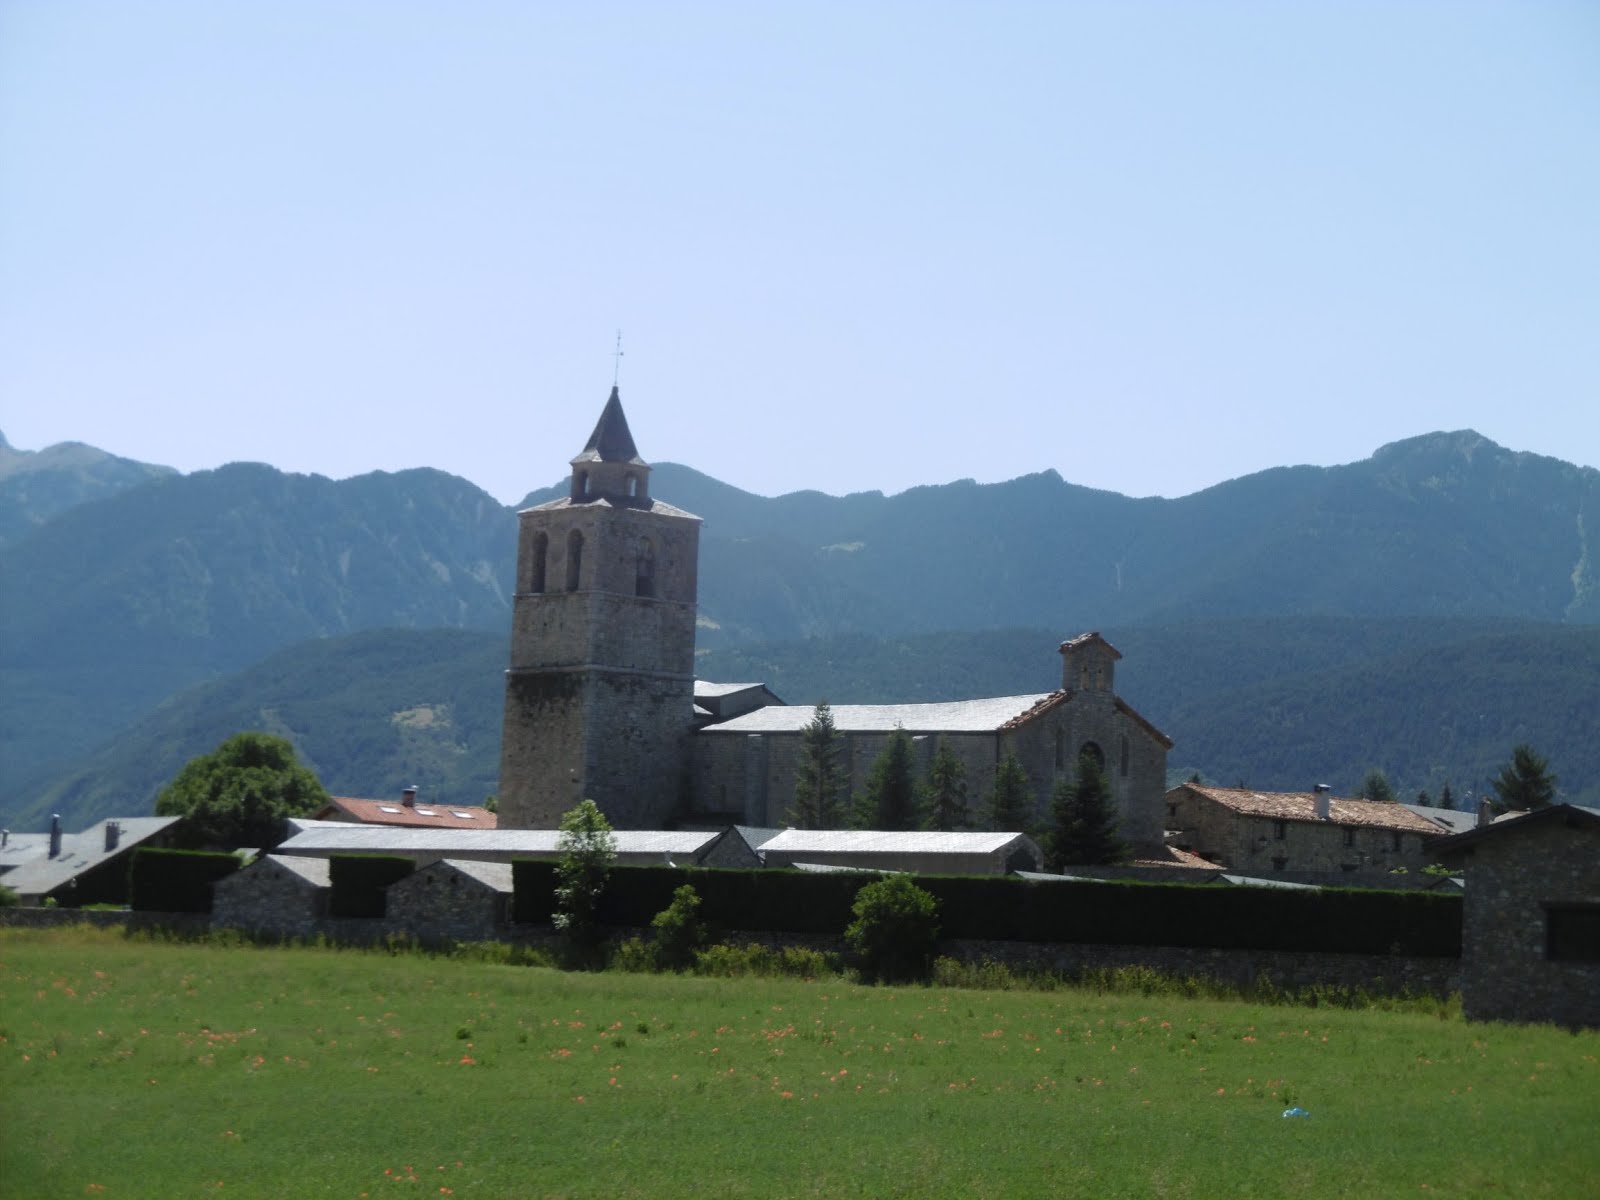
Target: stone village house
[(1530, 937), (601, 699), (1310, 836)]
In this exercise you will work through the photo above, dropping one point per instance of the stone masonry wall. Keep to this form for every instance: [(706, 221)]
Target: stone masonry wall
[(1506, 974)]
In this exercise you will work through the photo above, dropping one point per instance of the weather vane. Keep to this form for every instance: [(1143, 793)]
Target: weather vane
[(616, 369)]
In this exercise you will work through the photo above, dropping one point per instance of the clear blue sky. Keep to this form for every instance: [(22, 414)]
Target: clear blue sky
[(850, 246)]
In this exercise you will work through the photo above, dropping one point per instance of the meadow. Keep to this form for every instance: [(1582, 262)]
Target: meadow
[(136, 1068)]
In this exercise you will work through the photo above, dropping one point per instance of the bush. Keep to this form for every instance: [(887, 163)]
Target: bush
[(8, 898), (679, 931), (176, 880), (587, 850), (895, 928), (360, 881)]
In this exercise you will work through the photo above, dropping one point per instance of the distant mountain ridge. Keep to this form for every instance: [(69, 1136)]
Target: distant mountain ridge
[(1280, 703), (35, 485), (112, 604)]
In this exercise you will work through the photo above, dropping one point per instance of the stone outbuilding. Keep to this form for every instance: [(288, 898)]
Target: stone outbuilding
[(644, 847), (277, 894), (1311, 835), (452, 900), (918, 853), (1530, 938)]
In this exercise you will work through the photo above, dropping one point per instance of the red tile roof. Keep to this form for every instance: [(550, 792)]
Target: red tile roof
[(392, 812)]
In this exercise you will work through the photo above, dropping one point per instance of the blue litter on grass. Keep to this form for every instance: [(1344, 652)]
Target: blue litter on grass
[(1295, 1112)]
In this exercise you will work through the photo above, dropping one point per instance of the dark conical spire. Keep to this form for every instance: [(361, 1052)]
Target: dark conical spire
[(611, 440), (609, 467)]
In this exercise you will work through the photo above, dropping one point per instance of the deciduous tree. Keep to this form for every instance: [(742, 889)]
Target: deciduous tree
[(587, 851), (240, 793)]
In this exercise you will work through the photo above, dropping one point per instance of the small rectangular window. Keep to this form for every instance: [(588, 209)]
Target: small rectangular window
[(1394, 842), (387, 808), (1349, 835), (1572, 932), (1280, 830)]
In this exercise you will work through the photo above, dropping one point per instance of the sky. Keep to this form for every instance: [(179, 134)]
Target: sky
[(1151, 246)]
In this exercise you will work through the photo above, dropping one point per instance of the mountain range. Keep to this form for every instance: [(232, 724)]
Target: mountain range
[(124, 586)]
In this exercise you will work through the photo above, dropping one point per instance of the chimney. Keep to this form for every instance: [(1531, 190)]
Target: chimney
[(113, 835), (55, 835), (1485, 813), (1321, 804), (409, 796), (5, 836)]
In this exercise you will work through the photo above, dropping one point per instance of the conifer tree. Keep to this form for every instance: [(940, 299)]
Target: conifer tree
[(945, 793), (1446, 800), (890, 798), (1525, 782), (818, 778), (1085, 825), (1011, 803), (1375, 786)]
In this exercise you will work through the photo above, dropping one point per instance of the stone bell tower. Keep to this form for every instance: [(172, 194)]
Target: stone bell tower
[(600, 694)]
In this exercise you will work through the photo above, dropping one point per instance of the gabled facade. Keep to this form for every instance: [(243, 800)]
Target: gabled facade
[(1530, 936)]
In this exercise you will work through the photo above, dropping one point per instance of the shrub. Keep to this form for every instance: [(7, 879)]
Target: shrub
[(679, 931), (895, 928), (162, 880), (8, 898)]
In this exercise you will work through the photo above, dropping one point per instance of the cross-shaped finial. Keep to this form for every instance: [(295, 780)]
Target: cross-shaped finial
[(616, 369)]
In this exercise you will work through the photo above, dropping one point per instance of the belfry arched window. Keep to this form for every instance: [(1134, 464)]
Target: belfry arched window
[(1092, 749), (540, 555), (574, 560)]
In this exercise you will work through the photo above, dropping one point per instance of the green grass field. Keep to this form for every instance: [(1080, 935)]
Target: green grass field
[(133, 1068)]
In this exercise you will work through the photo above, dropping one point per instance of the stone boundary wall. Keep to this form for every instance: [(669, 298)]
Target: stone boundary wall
[(1378, 974)]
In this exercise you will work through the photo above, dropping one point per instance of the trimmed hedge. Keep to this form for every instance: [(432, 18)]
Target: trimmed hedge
[(360, 880), (1338, 921), (162, 880)]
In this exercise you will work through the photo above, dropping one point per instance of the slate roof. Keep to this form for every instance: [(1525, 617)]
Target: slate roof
[(339, 837), (1449, 819), (611, 440), (392, 812), (659, 507), (1300, 806), (496, 875), (21, 847), (80, 853), (1577, 816), (876, 841), (314, 871), (950, 716)]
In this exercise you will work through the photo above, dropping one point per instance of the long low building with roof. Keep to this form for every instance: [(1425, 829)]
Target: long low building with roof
[(1300, 833), (323, 839), (744, 767), (929, 853)]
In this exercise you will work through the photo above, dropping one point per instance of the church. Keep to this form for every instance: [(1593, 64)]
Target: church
[(602, 701)]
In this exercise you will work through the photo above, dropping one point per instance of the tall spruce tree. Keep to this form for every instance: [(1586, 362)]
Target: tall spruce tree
[(1011, 804), (1525, 782), (819, 783), (945, 792), (1375, 786), (1446, 800), (1085, 819), (889, 800)]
